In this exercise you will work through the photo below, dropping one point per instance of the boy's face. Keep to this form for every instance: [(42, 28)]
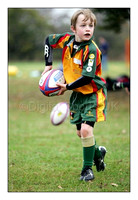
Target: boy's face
[(84, 29)]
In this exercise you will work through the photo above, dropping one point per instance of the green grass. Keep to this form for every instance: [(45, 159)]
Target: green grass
[(45, 158)]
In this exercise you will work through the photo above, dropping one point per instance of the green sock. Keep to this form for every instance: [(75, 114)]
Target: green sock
[(88, 156), (88, 144), (97, 154)]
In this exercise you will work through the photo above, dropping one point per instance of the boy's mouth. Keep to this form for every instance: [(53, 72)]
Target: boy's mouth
[(87, 34)]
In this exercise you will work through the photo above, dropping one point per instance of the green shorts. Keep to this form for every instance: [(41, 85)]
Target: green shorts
[(91, 107)]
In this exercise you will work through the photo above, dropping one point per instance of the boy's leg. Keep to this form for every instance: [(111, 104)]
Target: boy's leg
[(100, 152), (78, 126), (95, 110), (85, 132), (99, 155), (97, 152), (88, 144)]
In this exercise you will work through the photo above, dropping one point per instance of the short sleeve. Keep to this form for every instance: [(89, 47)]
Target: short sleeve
[(89, 66), (58, 40)]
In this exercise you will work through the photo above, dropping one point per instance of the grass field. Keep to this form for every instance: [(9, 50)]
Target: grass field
[(45, 158)]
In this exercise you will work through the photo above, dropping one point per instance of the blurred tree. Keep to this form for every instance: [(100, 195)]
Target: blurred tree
[(26, 33), (113, 18)]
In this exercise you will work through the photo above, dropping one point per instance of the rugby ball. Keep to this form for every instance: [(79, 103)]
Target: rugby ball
[(59, 113), (47, 82)]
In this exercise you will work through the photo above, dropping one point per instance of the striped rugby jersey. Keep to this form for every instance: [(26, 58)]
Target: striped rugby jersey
[(85, 61)]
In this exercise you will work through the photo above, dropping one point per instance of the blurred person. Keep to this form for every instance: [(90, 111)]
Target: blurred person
[(81, 59), (103, 46), (120, 85)]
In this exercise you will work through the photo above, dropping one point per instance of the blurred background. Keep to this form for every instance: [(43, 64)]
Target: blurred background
[(27, 29)]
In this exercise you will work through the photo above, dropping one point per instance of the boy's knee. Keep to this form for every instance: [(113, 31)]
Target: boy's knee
[(86, 130)]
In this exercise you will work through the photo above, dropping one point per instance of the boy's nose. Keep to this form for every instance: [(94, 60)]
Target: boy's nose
[(87, 28)]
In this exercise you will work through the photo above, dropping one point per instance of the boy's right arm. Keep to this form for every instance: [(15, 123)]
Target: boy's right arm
[(48, 53), (53, 41)]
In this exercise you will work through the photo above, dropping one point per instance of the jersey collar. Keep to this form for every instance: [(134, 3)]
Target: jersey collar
[(82, 44)]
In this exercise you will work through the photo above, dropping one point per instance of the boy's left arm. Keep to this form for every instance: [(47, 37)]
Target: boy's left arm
[(89, 65), (83, 80)]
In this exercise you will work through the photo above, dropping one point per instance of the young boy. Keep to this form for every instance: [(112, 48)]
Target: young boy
[(81, 60)]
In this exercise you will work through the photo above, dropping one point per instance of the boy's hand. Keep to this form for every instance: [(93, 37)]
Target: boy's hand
[(63, 88), (47, 68)]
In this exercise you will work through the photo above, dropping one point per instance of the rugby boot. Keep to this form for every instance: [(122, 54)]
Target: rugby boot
[(87, 174), (99, 162)]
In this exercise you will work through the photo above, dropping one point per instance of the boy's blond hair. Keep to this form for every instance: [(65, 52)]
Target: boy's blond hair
[(88, 15)]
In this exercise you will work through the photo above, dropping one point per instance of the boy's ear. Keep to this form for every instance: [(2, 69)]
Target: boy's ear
[(73, 29)]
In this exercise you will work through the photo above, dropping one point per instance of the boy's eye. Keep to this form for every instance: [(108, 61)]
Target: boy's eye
[(83, 25)]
